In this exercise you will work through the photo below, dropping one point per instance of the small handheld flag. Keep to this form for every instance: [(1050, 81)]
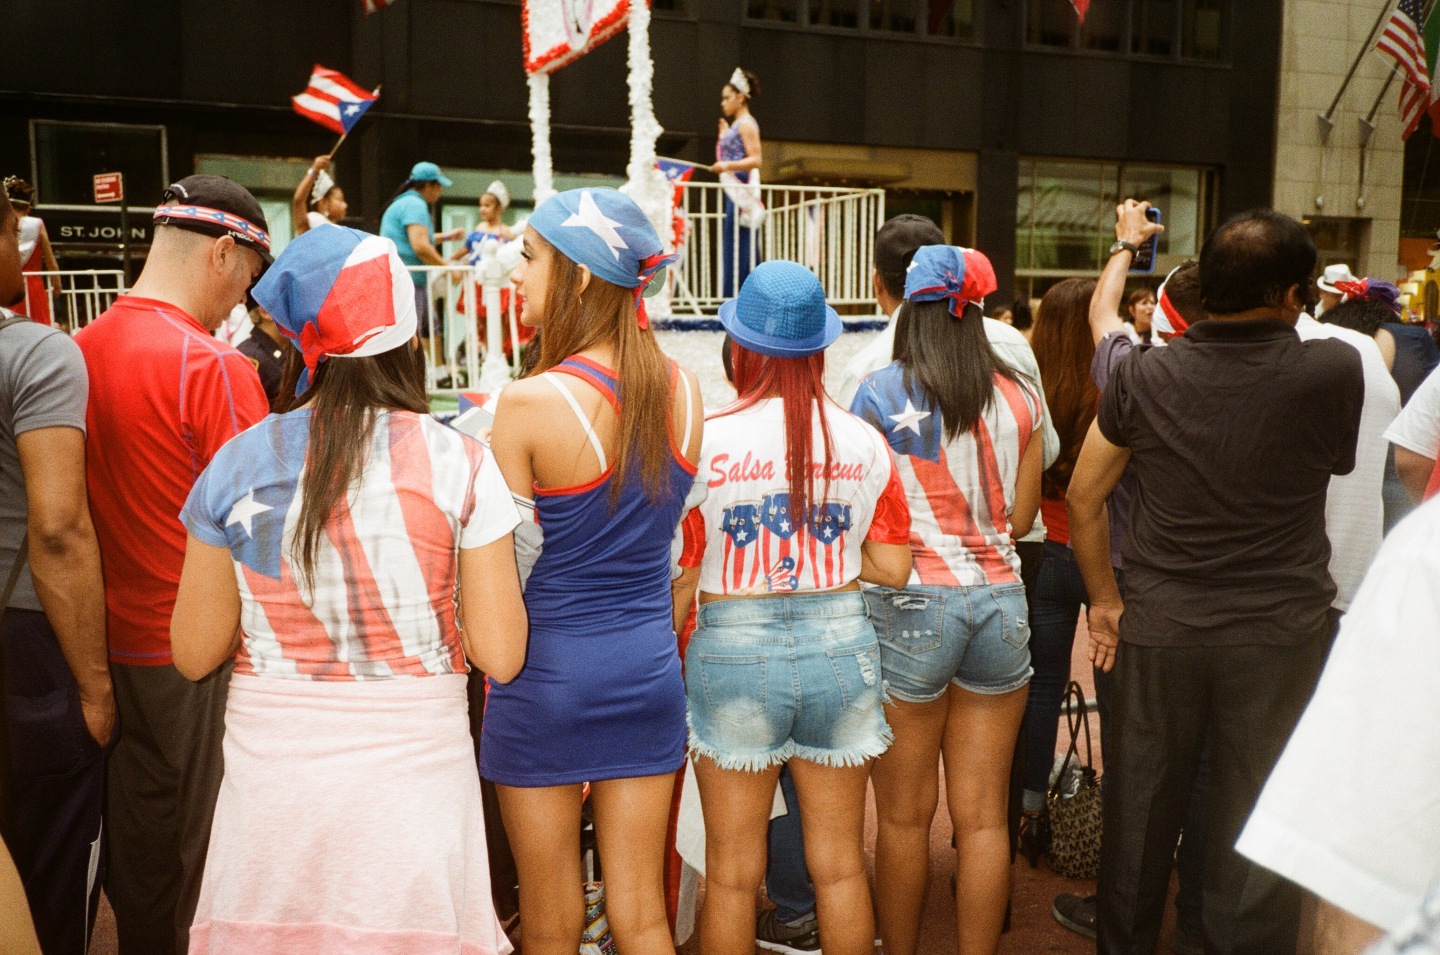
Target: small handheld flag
[(333, 100), (1081, 8)]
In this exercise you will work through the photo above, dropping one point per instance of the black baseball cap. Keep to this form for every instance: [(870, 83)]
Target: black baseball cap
[(898, 238), (217, 206)]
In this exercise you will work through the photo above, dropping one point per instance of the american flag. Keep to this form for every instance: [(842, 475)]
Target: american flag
[(375, 6), (1081, 8), (333, 100), (1402, 42)]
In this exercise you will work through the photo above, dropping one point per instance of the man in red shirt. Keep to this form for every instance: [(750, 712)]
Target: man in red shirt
[(164, 396)]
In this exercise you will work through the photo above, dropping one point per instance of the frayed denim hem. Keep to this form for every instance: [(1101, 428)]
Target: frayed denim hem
[(746, 763), (845, 758), (997, 690)]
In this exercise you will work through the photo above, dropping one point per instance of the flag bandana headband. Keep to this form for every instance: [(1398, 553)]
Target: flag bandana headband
[(1369, 288), (1167, 319), (239, 228), (605, 231), (339, 293), (941, 272)]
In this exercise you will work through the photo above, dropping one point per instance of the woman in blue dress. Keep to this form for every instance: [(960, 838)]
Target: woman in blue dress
[(598, 446), (738, 163)]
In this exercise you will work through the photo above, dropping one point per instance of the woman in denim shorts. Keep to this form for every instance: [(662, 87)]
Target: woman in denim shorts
[(954, 643), (784, 667)]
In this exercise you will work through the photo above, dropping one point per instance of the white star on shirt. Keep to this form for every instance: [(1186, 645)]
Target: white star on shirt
[(909, 418), (245, 510), (590, 217)]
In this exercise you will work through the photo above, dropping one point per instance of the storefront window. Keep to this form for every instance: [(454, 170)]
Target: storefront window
[(1065, 219)]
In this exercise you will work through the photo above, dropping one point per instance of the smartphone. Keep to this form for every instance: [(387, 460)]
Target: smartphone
[(474, 422), (1144, 262)]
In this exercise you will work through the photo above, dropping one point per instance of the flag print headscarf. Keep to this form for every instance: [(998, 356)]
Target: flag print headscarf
[(1168, 320), (1370, 288), (949, 272), (339, 293), (605, 231)]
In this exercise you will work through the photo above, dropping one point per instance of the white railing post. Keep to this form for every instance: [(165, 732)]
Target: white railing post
[(495, 374)]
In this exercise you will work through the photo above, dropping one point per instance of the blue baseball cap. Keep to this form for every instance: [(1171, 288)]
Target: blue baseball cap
[(429, 172), (781, 312)]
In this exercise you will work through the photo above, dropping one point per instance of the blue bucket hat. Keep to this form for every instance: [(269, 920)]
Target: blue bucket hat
[(781, 312), (429, 172), (605, 231)]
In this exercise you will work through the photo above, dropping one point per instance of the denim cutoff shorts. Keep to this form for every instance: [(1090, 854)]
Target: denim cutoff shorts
[(770, 678), (975, 637)]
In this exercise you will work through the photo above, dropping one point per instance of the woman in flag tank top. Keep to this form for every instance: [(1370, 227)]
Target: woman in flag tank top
[(783, 669), (954, 639), (327, 549), (598, 445)]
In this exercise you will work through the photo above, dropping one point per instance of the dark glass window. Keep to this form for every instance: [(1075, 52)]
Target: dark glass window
[(776, 11), (947, 18), (1203, 31), (68, 155), (834, 13), (1152, 27), (1104, 27), (1051, 23)]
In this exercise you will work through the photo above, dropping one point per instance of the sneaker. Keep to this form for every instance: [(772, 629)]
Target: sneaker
[(1187, 941), (774, 935), (1075, 912)]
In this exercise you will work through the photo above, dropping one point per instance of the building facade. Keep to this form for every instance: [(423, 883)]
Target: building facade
[(1005, 120)]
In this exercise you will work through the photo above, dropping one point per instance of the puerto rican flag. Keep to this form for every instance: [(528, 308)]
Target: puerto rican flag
[(678, 173), (1081, 8), (333, 100)]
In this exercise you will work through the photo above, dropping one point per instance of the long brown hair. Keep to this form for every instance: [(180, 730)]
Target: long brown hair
[(1064, 350), (950, 360), (800, 385), (349, 396), (605, 312)]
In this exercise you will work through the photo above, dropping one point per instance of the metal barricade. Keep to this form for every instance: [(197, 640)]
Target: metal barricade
[(450, 334), (830, 230), (71, 299)]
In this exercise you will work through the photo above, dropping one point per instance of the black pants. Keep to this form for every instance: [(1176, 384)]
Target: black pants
[(54, 785), (163, 780), (1165, 703)]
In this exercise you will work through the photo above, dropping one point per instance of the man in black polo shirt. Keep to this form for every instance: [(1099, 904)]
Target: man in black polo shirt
[(1232, 433)]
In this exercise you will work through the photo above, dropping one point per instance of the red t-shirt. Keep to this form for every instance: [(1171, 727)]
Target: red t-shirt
[(1056, 515), (164, 396)]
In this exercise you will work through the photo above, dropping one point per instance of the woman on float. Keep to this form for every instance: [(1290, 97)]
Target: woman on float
[(603, 437), (36, 255), (783, 668), (737, 162), (954, 640), (327, 548)]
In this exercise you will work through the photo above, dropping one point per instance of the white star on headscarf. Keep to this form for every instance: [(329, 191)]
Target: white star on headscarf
[(909, 418), (245, 510), (590, 217)]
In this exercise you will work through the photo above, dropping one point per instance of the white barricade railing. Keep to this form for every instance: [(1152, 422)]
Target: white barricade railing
[(453, 341), (830, 230), (71, 299)]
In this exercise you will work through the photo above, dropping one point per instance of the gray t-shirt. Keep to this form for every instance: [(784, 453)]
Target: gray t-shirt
[(42, 385)]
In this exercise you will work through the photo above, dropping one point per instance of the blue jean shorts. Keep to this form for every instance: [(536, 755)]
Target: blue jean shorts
[(771, 678), (975, 637)]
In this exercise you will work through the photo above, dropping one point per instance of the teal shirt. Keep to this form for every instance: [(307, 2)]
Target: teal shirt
[(409, 208)]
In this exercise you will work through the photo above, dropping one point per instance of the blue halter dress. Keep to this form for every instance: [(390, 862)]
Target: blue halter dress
[(737, 243), (600, 696)]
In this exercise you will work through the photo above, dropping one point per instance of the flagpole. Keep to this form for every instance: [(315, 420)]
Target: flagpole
[(1326, 121), (341, 140)]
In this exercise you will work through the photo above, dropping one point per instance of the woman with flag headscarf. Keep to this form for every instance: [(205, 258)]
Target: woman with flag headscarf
[(318, 200), (783, 668), (327, 549), (954, 641), (737, 162), (598, 445)]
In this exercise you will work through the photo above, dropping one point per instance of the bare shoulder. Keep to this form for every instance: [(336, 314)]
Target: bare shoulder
[(526, 394)]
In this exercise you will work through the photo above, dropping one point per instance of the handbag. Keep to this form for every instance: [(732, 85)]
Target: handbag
[(1075, 820), (596, 939)]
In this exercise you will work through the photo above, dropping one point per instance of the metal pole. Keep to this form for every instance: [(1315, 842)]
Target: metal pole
[(1326, 123)]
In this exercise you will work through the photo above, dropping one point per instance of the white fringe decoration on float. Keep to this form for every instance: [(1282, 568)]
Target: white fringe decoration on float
[(544, 171)]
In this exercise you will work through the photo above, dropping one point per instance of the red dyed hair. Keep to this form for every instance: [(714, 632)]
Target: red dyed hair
[(799, 383)]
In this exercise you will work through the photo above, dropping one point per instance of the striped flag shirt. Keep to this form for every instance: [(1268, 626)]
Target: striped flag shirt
[(1402, 42), (333, 100)]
